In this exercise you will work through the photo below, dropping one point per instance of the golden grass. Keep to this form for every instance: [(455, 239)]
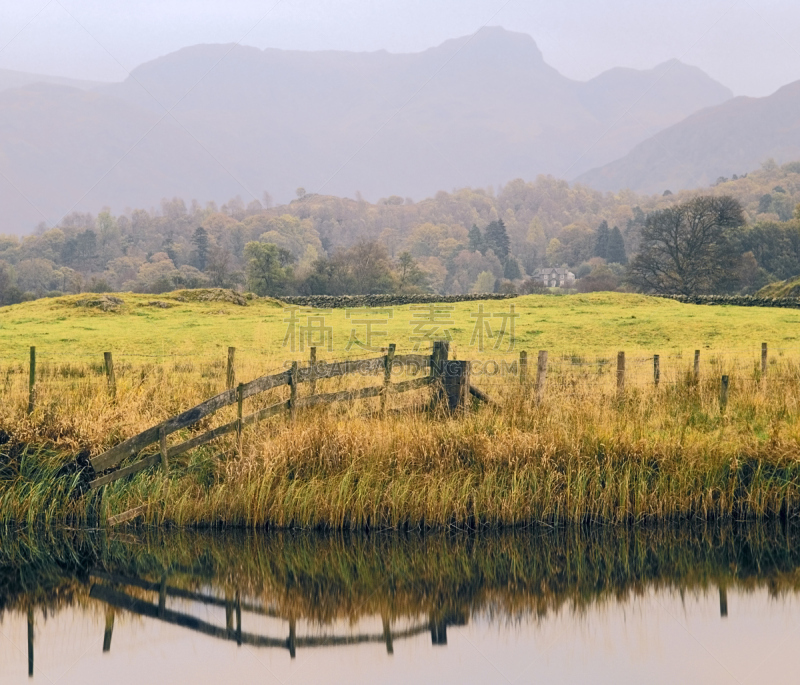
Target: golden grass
[(582, 455)]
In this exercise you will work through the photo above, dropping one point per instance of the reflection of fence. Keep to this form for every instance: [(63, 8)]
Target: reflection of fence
[(450, 377), (107, 591)]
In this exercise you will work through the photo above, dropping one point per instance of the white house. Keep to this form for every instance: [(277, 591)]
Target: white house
[(554, 278)]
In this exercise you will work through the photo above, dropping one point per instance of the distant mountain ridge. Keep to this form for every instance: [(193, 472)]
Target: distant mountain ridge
[(731, 138), (20, 79), (215, 121)]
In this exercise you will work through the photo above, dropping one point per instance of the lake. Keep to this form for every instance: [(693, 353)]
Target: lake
[(618, 605)]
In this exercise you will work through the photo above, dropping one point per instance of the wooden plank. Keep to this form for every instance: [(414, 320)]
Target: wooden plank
[(199, 440), (265, 413), (365, 367), (263, 384), (126, 515), (482, 396), (152, 460), (133, 445), (343, 396)]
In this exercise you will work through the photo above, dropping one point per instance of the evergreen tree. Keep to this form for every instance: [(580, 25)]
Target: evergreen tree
[(496, 239), (200, 242), (475, 239), (615, 253), (512, 271), (601, 240)]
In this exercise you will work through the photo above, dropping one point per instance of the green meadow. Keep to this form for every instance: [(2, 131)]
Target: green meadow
[(589, 325)]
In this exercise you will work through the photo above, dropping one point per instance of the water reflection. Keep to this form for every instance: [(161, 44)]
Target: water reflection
[(298, 593)]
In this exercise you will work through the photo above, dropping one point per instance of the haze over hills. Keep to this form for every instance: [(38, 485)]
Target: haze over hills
[(732, 138), (471, 112), (19, 79)]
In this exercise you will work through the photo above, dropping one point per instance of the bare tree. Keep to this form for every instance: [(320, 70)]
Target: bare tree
[(685, 249)]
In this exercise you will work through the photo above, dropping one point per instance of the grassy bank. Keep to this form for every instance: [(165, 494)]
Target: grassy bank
[(581, 455)]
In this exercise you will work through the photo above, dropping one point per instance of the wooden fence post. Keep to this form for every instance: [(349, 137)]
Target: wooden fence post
[(441, 351), (620, 373), (162, 439), (723, 601), (109, 629), (162, 596), (108, 362), (312, 360), (523, 367), (388, 360), (763, 360), (293, 391), (240, 422), (455, 382), (723, 393), (230, 376), (541, 374), (32, 381), (656, 369), (696, 365), (238, 608)]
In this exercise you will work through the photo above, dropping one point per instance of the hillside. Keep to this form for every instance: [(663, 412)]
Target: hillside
[(472, 112), (138, 331), (731, 138)]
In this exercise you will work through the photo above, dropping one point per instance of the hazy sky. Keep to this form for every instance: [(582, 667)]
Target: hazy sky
[(749, 45)]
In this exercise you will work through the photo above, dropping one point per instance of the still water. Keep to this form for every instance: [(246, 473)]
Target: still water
[(715, 605)]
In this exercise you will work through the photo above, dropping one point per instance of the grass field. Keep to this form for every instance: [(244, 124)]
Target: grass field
[(583, 454), (595, 324)]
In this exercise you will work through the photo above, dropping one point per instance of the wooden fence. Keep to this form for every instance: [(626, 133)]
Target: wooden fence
[(450, 379)]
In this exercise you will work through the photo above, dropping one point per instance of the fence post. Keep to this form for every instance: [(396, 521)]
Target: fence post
[(293, 391), (523, 367), (230, 376), (32, 381), (312, 360), (455, 382), (387, 634), (696, 365), (620, 373), (763, 360), (388, 360), (162, 440), (541, 374), (240, 423), (441, 351), (723, 393), (108, 362), (656, 369), (723, 601)]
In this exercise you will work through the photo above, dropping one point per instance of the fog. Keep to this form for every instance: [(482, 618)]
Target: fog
[(750, 47)]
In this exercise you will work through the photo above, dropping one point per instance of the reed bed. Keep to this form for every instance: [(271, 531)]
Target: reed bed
[(584, 454)]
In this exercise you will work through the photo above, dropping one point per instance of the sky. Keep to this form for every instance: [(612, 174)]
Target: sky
[(750, 46)]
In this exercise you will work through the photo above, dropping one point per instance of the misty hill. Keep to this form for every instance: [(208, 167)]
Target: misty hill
[(732, 138), (18, 79), (471, 112)]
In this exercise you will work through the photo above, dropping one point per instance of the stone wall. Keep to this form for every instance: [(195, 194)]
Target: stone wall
[(738, 300), (349, 301)]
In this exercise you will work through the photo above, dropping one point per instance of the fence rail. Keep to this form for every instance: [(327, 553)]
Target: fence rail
[(293, 377)]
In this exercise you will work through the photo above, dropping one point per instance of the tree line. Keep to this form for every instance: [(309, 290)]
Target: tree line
[(471, 240)]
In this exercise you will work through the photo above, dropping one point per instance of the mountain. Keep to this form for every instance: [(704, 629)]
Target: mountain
[(231, 120), (728, 139), (19, 79)]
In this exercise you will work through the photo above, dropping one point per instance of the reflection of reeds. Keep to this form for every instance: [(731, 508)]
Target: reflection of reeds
[(323, 578), (582, 455)]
